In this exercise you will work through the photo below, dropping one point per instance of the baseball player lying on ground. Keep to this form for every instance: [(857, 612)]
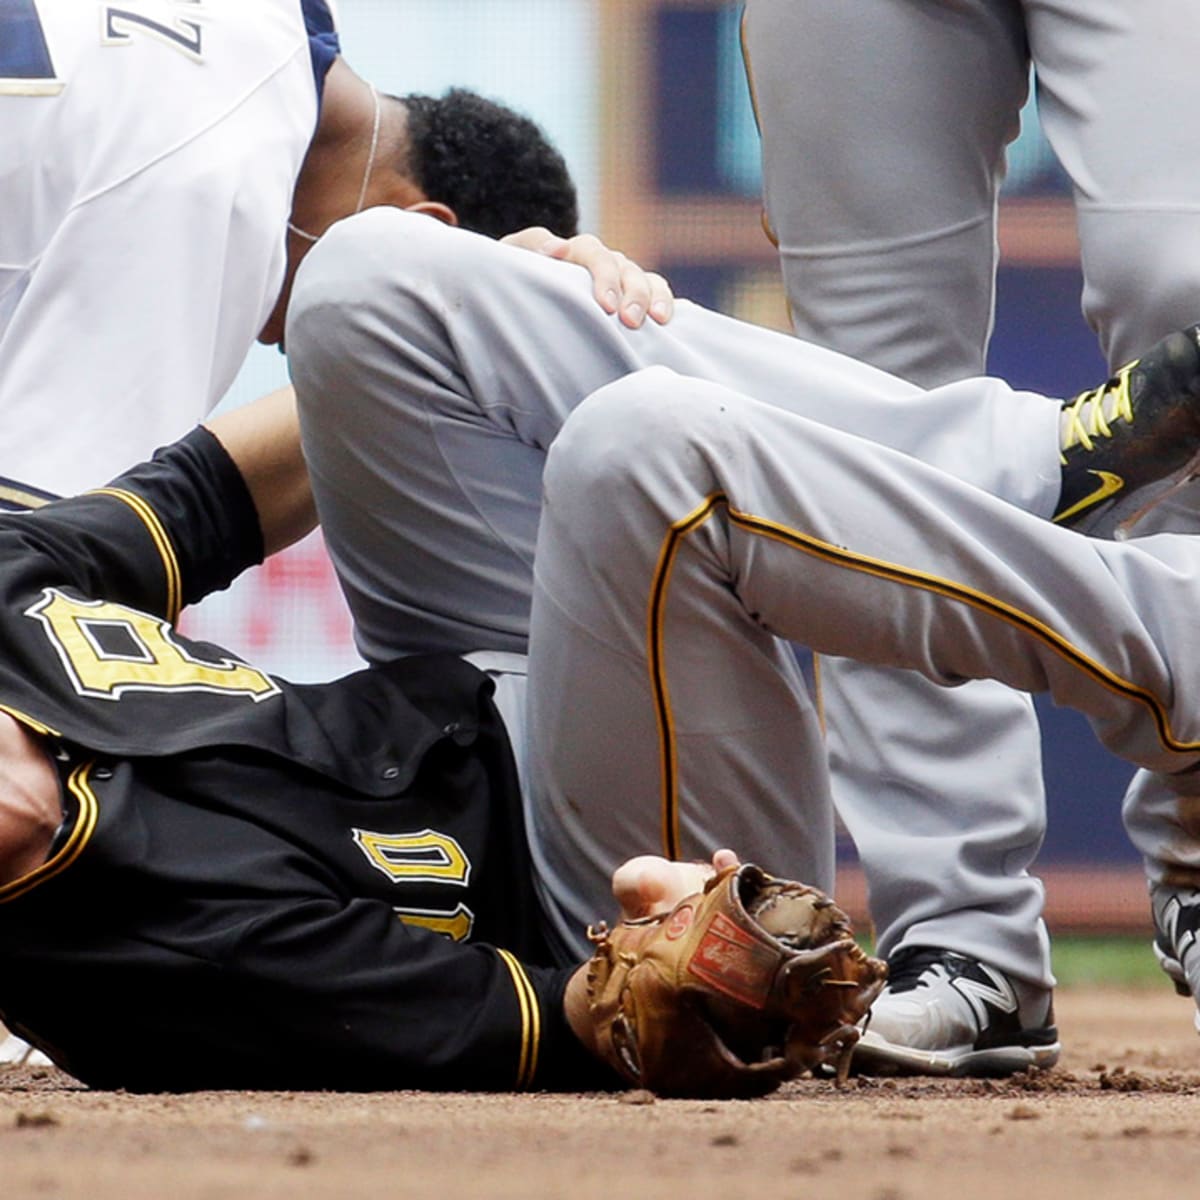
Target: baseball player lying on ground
[(264, 118), (204, 866), (211, 878), (451, 156), (434, 370)]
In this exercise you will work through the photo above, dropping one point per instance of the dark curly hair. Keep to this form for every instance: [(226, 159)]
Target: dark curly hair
[(493, 166)]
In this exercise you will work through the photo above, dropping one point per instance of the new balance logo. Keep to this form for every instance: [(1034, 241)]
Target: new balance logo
[(987, 996), (1180, 933)]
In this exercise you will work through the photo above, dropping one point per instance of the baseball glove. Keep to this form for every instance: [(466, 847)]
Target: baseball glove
[(738, 988)]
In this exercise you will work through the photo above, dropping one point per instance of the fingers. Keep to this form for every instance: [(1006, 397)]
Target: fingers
[(619, 285), (722, 859), (641, 292), (648, 885), (641, 885)]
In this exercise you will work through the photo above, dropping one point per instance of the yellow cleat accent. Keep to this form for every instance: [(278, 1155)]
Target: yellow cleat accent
[(1109, 485)]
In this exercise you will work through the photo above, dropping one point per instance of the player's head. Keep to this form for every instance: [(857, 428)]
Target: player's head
[(492, 167), (458, 157)]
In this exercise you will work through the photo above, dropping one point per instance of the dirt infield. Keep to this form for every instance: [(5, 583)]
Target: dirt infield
[(1119, 1118)]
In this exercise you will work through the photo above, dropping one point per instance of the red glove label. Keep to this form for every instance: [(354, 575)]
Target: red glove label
[(729, 960)]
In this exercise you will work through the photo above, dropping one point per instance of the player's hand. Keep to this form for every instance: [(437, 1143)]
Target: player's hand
[(643, 887), (618, 283), (648, 884), (759, 978)]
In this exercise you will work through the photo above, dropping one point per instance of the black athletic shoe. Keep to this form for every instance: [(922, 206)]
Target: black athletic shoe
[(1177, 938), (945, 1014), (1129, 443)]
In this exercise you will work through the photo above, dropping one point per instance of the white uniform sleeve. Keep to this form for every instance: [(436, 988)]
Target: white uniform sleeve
[(142, 247)]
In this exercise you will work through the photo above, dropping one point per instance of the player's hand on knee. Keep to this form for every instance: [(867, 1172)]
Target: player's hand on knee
[(618, 283)]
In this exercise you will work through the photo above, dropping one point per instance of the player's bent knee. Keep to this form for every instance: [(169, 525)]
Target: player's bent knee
[(645, 425), (611, 431), (367, 265)]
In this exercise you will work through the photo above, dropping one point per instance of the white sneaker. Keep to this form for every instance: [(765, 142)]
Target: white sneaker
[(945, 1014), (1176, 930)]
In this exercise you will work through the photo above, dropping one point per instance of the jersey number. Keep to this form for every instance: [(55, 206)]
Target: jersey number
[(424, 857), (26, 68), (185, 35)]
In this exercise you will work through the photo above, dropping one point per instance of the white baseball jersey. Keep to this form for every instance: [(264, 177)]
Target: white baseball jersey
[(148, 153)]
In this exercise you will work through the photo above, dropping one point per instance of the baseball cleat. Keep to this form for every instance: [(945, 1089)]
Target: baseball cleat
[(945, 1014), (1176, 926), (1129, 443)]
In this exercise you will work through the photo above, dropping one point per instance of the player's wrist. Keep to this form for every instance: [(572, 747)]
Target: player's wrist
[(577, 1010)]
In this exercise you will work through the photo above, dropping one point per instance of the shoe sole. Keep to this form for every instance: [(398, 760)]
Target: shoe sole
[(874, 1056)]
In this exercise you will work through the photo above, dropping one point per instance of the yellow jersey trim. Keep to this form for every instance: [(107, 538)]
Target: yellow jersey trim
[(12, 494), (80, 836), (30, 722), (162, 542), (531, 1020)]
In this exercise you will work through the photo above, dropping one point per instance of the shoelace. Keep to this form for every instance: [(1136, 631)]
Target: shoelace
[(1090, 414)]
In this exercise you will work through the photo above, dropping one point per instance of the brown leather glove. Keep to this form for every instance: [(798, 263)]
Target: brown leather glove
[(738, 988)]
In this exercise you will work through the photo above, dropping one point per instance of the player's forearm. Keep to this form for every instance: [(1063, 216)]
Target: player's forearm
[(263, 439)]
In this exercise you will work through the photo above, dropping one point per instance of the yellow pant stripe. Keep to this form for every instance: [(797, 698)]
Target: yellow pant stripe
[(668, 755), (882, 569)]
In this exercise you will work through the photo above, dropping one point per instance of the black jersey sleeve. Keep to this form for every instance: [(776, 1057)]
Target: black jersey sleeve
[(160, 536), (350, 996), (315, 995)]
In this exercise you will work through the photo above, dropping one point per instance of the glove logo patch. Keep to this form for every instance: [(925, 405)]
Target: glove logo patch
[(729, 960), (679, 922)]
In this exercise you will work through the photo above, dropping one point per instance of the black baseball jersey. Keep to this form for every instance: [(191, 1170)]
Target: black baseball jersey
[(256, 884)]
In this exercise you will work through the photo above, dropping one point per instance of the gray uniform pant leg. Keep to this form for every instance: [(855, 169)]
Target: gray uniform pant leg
[(1131, 153), (884, 124), (687, 529), (1131, 156), (881, 174), (434, 369)]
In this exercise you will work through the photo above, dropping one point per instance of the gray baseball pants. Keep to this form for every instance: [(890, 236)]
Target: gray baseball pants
[(434, 370)]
